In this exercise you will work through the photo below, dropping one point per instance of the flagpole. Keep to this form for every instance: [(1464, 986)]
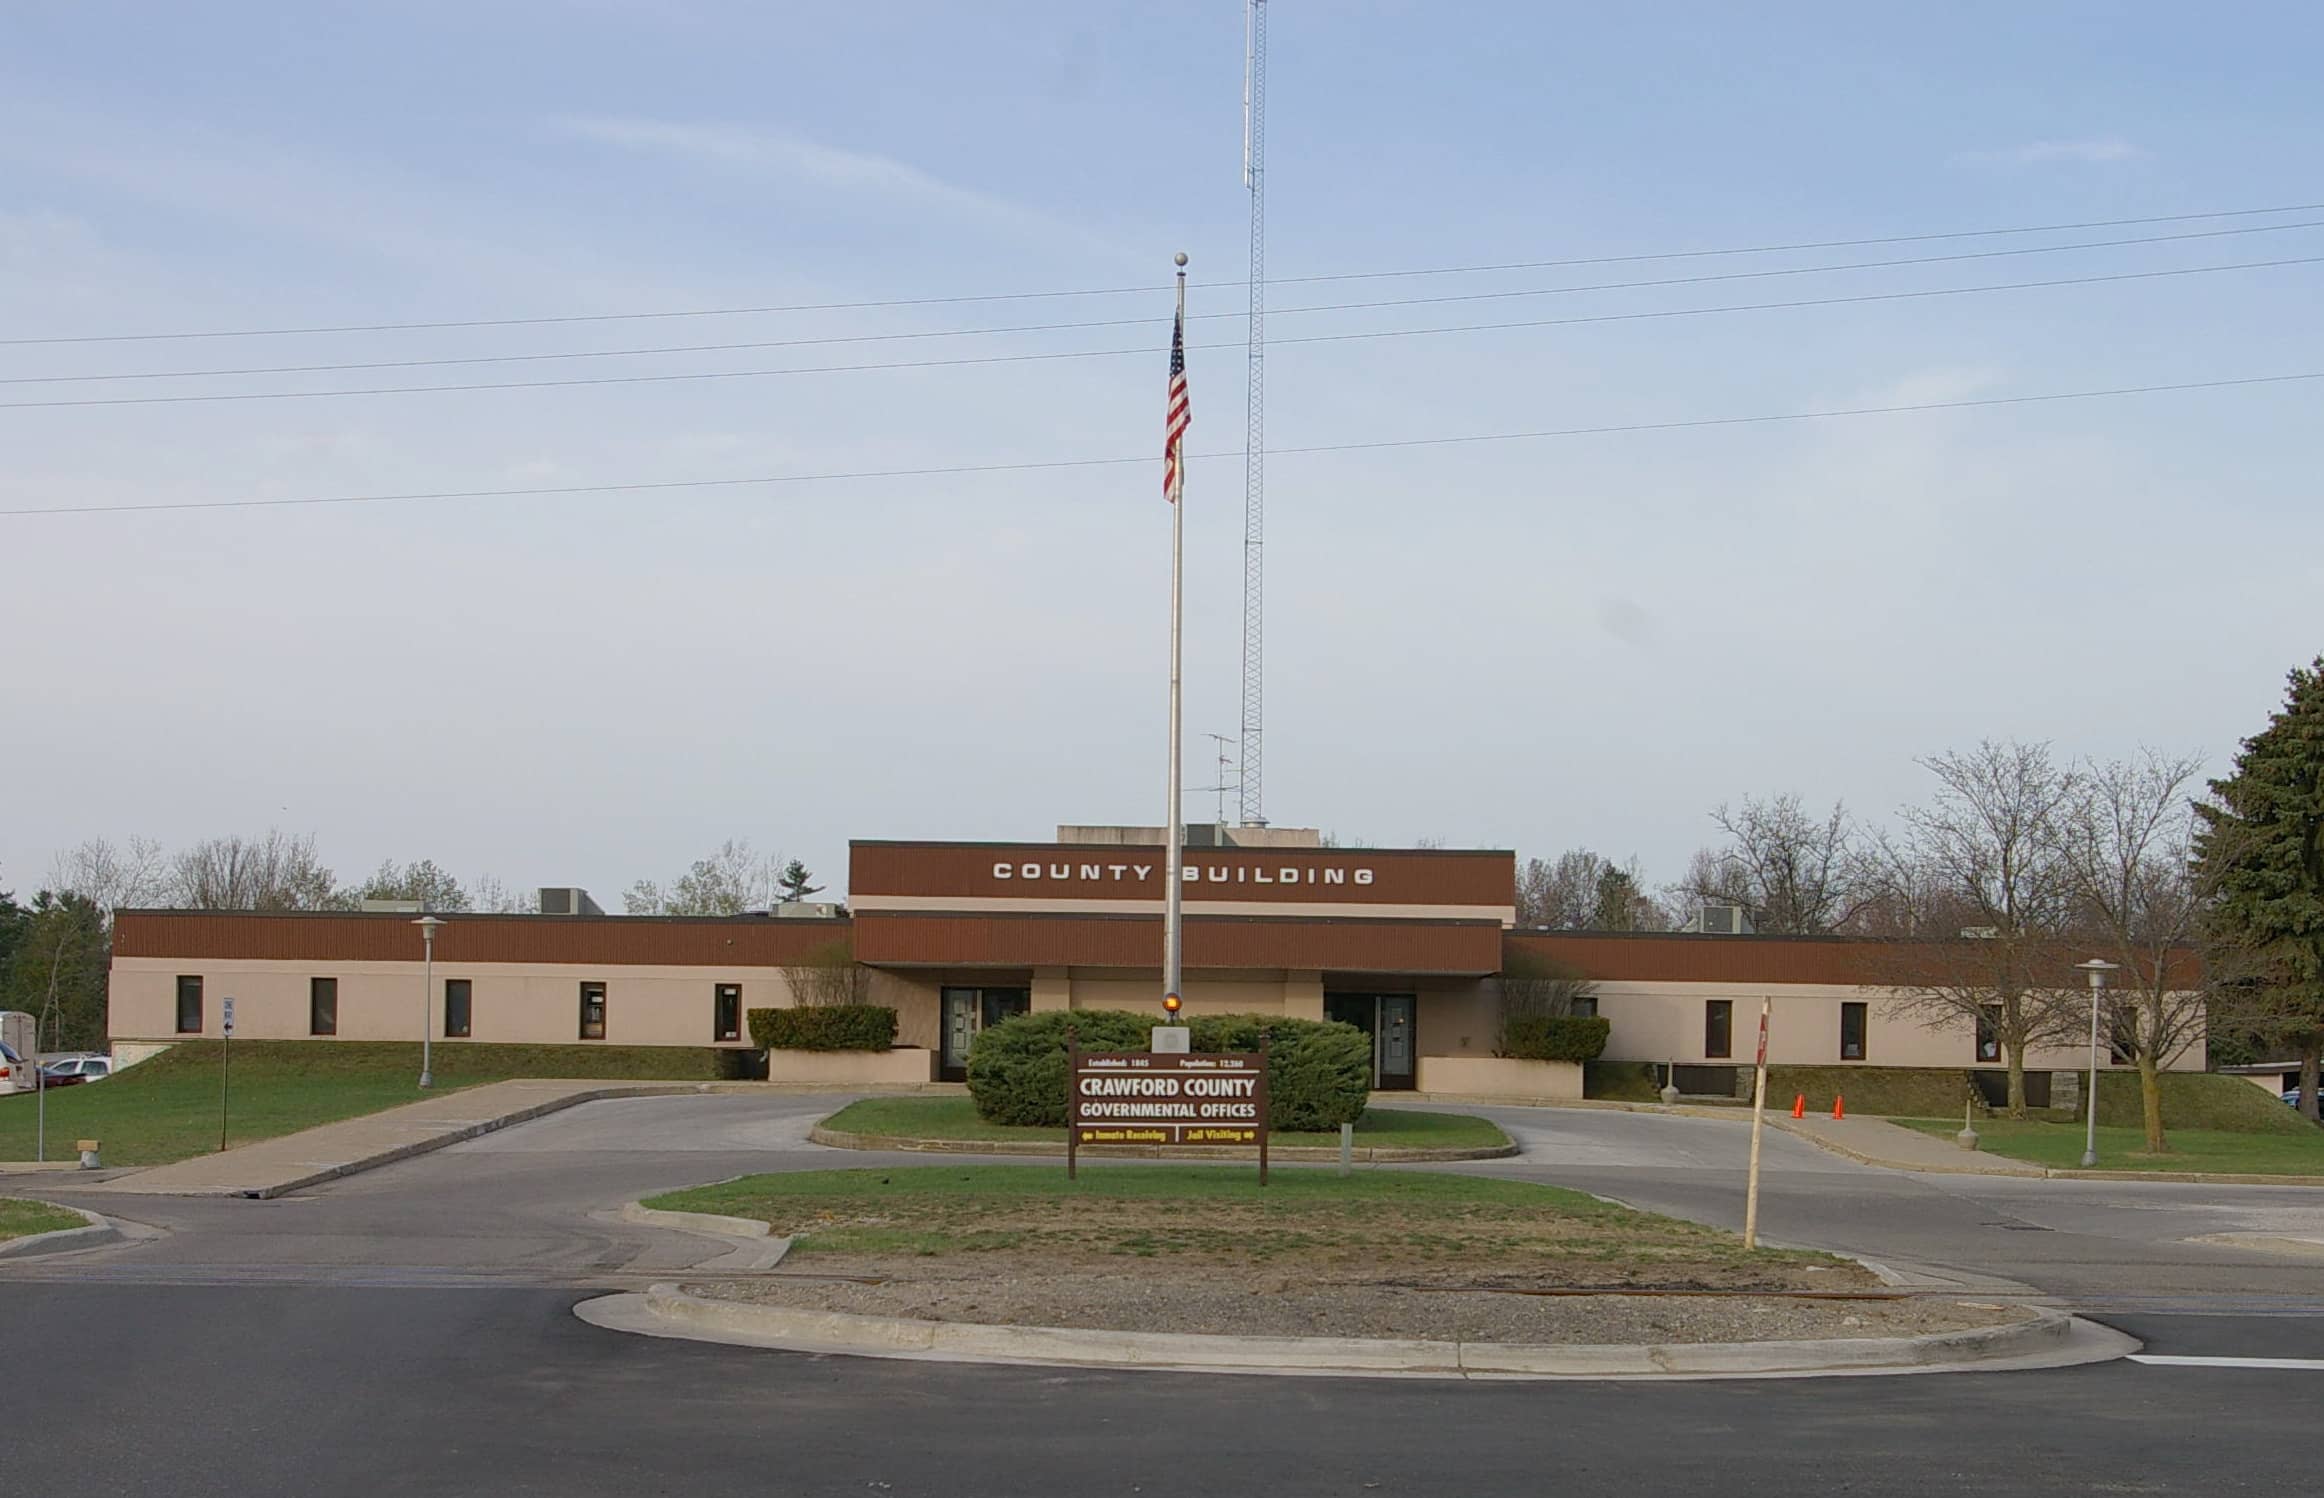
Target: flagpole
[(1173, 894)]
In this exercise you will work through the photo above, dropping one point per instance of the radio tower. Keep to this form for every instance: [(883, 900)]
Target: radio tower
[(1255, 424)]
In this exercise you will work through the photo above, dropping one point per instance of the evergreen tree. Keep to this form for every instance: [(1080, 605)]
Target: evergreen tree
[(57, 972), (794, 883), (2261, 848)]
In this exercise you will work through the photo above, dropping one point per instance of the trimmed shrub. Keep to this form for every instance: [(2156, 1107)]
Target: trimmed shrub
[(1016, 1069), (825, 1027), (1319, 1073), (1558, 1037)]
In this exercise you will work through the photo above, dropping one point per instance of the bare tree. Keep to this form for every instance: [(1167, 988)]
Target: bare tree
[(2128, 836), (828, 975), (1585, 891), (1984, 851), (419, 880), (1534, 987), (731, 881), (492, 897), (1798, 874), (113, 876), (276, 872)]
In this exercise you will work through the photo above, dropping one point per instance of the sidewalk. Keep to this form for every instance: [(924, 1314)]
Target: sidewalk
[(1876, 1141), (272, 1167)]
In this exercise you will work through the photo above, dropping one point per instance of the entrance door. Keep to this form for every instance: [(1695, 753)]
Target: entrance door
[(959, 1021), (968, 1010), (1392, 1044), (1389, 1019)]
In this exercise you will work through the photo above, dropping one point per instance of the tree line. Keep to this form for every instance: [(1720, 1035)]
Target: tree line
[(1989, 895), (56, 947)]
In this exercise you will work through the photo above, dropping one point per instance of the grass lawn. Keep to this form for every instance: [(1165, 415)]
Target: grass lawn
[(1219, 1214), (2059, 1145), (167, 1108), (21, 1219), (956, 1118)]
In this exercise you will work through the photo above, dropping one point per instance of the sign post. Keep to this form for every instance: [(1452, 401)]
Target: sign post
[(1758, 1125), (1166, 1098), (225, 1052)]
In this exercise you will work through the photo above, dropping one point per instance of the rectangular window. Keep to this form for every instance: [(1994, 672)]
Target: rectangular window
[(322, 1006), (456, 1008), (189, 1006), (1718, 1028), (1586, 1006), (1854, 1018), (1988, 1033), (726, 1012), (592, 1011)]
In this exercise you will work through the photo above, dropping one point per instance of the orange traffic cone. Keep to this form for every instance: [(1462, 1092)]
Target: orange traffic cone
[(1839, 1106), (1799, 1105)]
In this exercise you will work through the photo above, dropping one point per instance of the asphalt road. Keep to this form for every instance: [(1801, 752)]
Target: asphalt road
[(410, 1331)]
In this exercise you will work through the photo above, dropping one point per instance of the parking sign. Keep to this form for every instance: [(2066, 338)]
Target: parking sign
[(229, 1016)]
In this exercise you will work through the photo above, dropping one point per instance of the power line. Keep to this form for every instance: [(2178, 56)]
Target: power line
[(1029, 358), (1124, 322), (965, 469), (1145, 288)]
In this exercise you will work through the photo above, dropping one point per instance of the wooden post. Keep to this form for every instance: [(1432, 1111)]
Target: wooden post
[(1266, 1039), (1072, 1110)]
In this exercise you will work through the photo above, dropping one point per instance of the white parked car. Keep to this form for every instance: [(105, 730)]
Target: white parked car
[(75, 1069), (16, 1073)]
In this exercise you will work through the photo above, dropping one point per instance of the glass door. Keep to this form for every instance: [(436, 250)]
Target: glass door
[(959, 1021), (1392, 1042)]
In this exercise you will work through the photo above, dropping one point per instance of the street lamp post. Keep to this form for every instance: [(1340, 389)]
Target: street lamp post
[(2097, 968), (427, 925)]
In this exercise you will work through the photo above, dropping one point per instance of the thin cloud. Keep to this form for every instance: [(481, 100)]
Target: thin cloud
[(795, 158), (2095, 151)]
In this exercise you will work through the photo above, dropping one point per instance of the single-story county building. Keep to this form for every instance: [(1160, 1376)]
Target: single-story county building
[(1408, 944)]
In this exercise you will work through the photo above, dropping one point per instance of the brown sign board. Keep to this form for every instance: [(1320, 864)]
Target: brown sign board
[(1154, 1097)]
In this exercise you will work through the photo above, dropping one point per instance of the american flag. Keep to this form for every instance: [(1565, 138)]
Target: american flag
[(1177, 413)]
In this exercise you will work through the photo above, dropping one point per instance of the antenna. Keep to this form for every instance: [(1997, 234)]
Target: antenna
[(1227, 781), (1255, 410)]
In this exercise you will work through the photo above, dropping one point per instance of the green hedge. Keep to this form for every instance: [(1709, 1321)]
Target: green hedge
[(825, 1027), (1319, 1074), (1555, 1037)]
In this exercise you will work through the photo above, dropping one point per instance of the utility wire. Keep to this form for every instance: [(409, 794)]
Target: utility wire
[(964, 469), (989, 359), (1124, 322), (1149, 287)]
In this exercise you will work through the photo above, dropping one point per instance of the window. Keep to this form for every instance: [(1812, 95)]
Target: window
[(322, 1006), (456, 1008), (1989, 1032), (189, 1006), (1853, 1020), (726, 1012), (1718, 1028), (592, 1011), (1586, 1006)]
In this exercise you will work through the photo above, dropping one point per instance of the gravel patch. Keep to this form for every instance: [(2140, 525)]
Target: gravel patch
[(990, 1291)]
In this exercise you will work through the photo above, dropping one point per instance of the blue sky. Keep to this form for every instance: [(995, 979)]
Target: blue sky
[(1539, 644)]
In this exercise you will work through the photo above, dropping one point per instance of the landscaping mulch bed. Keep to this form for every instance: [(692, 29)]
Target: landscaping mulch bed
[(995, 1289)]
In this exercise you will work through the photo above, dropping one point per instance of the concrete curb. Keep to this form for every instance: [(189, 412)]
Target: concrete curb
[(694, 1222), (842, 1139), (2050, 1339), (95, 1232), (1845, 1152)]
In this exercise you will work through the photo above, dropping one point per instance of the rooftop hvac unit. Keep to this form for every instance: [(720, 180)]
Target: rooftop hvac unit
[(568, 901), (809, 910), (1722, 918)]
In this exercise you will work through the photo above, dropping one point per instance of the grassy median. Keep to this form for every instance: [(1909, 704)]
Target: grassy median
[(956, 1118), (1205, 1214), (167, 1108), (21, 1219), (2208, 1151)]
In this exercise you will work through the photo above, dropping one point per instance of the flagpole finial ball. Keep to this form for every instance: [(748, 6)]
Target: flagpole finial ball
[(1180, 257)]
